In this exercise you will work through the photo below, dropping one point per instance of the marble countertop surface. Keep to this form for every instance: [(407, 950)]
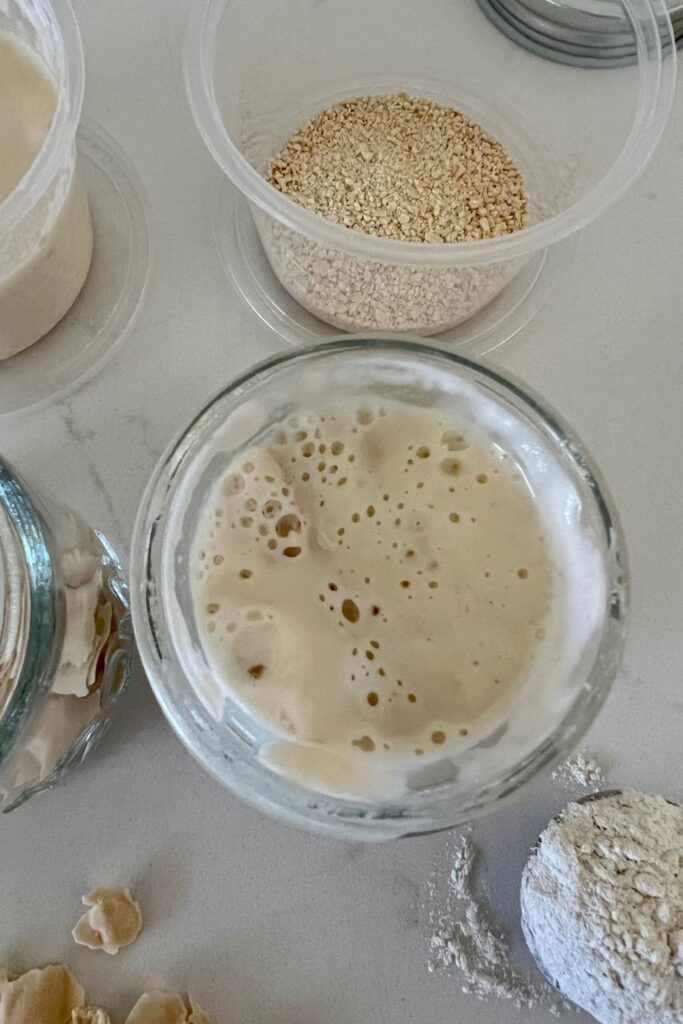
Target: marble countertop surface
[(258, 921)]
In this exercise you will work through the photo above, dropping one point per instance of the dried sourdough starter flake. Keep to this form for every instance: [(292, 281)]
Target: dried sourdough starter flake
[(45, 995), (113, 921), (52, 995), (405, 168), (164, 1008), (602, 907), (90, 1015)]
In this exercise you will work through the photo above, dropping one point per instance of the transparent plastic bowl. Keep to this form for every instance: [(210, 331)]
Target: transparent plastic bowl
[(46, 237), (224, 737), (256, 69)]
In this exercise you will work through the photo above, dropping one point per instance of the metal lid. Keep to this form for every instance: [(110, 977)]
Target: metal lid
[(28, 607), (587, 33), (13, 608)]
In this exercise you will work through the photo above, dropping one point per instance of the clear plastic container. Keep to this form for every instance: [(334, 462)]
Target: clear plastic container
[(222, 735), (45, 228), (65, 639), (256, 70), (77, 347)]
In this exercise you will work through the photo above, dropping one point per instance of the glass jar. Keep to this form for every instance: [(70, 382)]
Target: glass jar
[(65, 639), (220, 731), (46, 237)]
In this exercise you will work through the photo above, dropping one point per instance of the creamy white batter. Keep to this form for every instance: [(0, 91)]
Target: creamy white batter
[(28, 100), (45, 258), (373, 585)]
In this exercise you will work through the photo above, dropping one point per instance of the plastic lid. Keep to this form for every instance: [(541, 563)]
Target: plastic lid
[(586, 33)]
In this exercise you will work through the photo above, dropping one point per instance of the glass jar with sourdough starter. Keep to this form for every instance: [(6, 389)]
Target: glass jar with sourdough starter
[(351, 782), (65, 639)]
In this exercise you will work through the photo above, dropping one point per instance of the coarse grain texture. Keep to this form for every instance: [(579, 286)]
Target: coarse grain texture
[(602, 907), (405, 168), (356, 294)]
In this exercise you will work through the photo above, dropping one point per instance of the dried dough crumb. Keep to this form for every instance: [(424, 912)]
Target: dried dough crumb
[(45, 995), (164, 1008), (113, 921), (197, 1015), (90, 1015), (402, 167), (158, 1008), (397, 167)]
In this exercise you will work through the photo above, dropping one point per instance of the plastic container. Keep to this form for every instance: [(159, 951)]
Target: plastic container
[(78, 346), (65, 639), (226, 740), (255, 71), (45, 228)]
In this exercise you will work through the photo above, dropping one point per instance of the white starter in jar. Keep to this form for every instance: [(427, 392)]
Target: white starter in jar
[(45, 256)]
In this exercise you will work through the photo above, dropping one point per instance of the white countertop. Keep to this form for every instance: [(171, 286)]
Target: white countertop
[(259, 921)]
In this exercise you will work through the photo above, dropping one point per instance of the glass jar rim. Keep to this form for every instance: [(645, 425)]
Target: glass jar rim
[(656, 56), (31, 546), (58, 18), (281, 797)]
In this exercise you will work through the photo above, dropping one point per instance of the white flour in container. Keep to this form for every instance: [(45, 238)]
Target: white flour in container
[(602, 907), (464, 937)]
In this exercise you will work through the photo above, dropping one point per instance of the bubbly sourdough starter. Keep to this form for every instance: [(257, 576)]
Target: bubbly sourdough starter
[(373, 585), (44, 259)]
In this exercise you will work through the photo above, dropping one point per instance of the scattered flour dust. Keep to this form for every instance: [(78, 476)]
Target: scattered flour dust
[(465, 937), (582, 770)]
